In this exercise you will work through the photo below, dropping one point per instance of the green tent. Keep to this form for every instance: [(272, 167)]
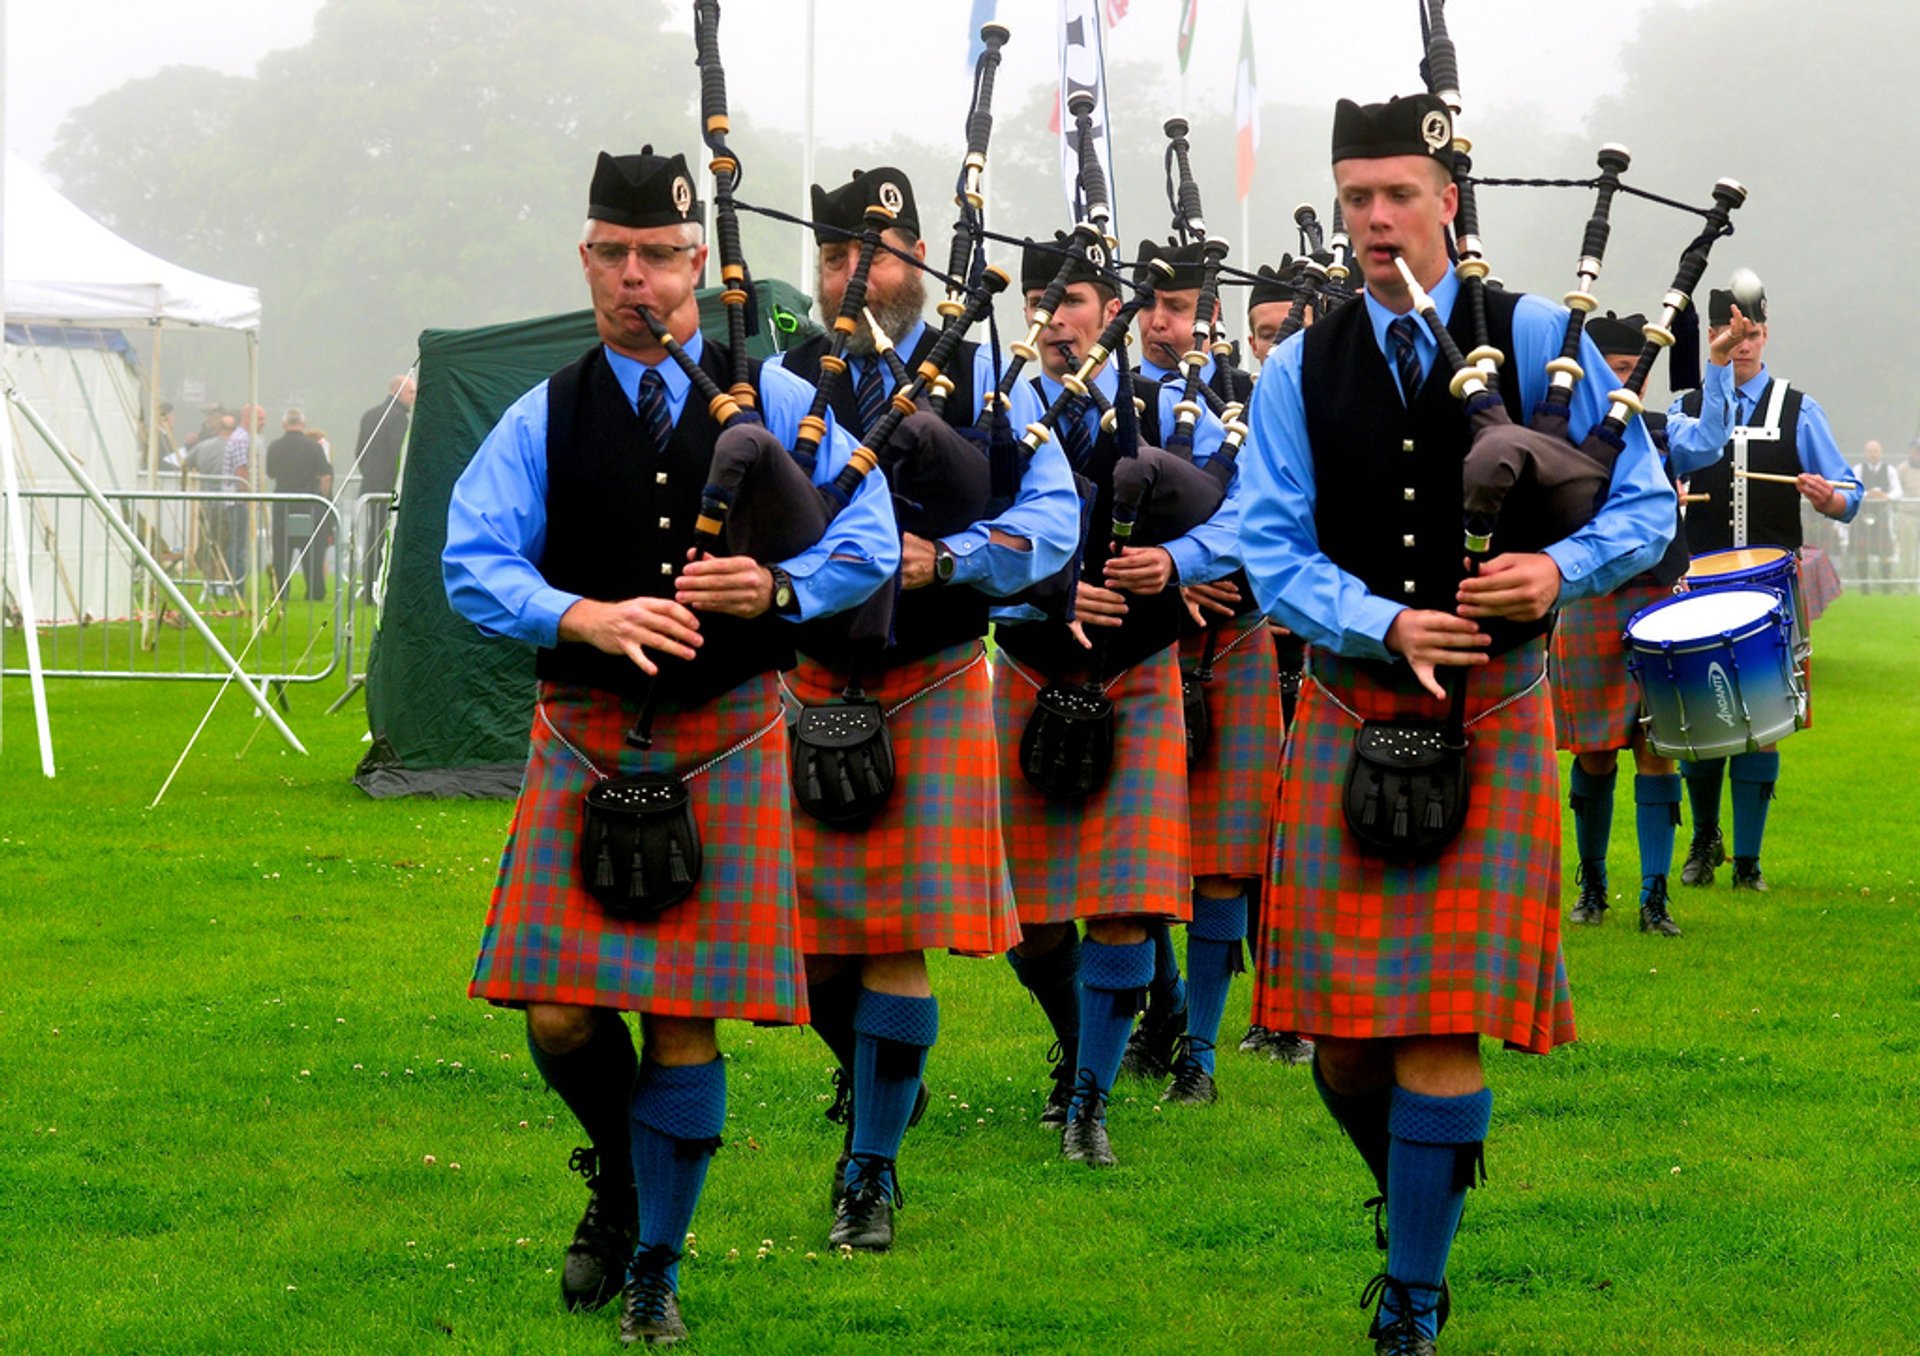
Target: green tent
[(448, 707)]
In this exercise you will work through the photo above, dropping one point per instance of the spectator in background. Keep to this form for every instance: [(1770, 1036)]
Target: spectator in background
[(1906, 518), (383, 432), (234, 476), (1872, 534), (299, 465)]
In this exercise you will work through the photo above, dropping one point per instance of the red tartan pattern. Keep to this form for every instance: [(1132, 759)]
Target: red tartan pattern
[(731, 948), (1233, 788), (1596, 703), (929, 871), (1356, 947), (1124, 850)]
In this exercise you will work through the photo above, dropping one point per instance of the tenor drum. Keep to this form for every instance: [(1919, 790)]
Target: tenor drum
[(1757, 567), (1716, 672)]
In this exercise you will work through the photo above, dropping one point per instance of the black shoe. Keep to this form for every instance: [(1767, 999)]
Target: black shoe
[(864, 1219), (1289, 1048), (1085, 1139), (1653, 909), (596, 1265), (841, 1113), (651, 1315), (1592, 906), (1150, 1048), (1704, 854), (1255, 1042), (1060, 1099), (1191, 1085), (1746, 875), (1403, 1337)]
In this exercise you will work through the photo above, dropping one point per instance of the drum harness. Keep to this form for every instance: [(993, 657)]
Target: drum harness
[(1766, 431)]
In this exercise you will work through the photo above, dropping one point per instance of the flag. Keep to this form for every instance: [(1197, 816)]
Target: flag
[(1083, 67), (982, 16), (1189, 16), (1116, 11), (1246, 105)]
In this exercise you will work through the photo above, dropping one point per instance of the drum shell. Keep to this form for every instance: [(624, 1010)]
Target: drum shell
[(1773, 568), (1720, 693)]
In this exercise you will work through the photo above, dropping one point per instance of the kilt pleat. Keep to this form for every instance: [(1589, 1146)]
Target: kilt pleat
[(1357, 947), (1232, 787), (930, 870), (1596, 704), (1124, 850), (731, 948)]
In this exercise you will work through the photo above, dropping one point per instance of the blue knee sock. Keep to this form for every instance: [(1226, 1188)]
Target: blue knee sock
[(1436, 1146), (596, 1083), (678, 1114), (1363, 1115), (1113, 982), (1656, 814), (1166, 993), (1592, 800), (1753, 776), (832, 1003), (1703, 793), (1054, 981), (895, 1033), (1213, 959)]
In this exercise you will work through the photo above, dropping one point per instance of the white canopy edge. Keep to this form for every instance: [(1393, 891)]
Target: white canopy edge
[(65, 268)]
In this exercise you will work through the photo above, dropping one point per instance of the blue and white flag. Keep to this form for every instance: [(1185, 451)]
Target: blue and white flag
[(983, 11), (1083, 66)]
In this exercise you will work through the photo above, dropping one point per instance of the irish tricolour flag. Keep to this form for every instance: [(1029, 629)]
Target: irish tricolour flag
[(1246, 104)]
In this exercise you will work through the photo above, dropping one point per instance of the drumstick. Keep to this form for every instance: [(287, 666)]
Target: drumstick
[(1784, 480), (1696, 499)]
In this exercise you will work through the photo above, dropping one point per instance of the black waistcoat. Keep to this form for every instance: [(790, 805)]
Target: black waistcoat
[(1672, 565), (619, 522), (1387, 477), (1151, 624), (1773, 510), (803, 360)]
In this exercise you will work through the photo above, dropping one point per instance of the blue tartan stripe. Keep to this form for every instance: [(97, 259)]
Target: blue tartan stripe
[(1596, 704), (1232, 788), (730, 949), (930, 870), (1360, 948)]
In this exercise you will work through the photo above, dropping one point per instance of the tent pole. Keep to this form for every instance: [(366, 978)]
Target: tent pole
[(256, 470), (150, 628), (118, 526)]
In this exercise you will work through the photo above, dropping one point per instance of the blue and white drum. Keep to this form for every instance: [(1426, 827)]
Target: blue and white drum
[(1716, 672)]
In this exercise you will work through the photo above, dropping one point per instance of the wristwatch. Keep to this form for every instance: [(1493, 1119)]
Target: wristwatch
[(784, 600), (944, 563)]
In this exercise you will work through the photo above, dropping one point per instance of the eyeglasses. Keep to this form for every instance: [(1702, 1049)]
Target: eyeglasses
[(611, 254)]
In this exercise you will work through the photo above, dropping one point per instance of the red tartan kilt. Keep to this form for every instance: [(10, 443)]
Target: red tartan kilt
[(731, 948), (1356, 947), (1596, 703), (1232, 787), (929, 870), (1123, 851)]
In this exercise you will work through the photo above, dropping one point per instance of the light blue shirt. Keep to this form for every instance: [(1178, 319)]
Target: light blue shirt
[(1813, 438), (1210, 551), (497, 521), (1046, 512), (1297, 583), (1693, 443)]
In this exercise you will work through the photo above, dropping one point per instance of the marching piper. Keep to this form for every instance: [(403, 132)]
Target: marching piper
[(1779, 452), (571, 530), (1352, 535)]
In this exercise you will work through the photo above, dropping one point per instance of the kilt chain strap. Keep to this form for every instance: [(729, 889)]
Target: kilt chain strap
[(709, 765), (1259, 627), (1498, 706), (1030, 681), (911, 697)]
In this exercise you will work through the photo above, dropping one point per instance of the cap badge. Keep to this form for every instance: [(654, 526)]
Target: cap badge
[(891, 198), (682, 194), (1434, 130)]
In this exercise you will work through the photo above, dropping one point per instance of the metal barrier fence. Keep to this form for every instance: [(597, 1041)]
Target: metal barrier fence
[(1878, 551), (101, 616)]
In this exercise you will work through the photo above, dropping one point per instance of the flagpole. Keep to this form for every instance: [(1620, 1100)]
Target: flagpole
[(804, 280)]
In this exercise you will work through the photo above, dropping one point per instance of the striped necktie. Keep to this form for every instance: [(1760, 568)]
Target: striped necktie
[(1075, 441), (653, 410), (1406, 358), (870, 393)]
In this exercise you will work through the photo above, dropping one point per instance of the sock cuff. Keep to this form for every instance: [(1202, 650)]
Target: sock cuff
[(896, 1017), (685, 1101), (1763, 768), (1656, 790), (1106, 966), (1419, 1119), (1218, 920), (1060, 965)]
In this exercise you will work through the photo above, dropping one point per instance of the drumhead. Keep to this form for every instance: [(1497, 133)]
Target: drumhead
[(1702, 616), (1737, 561)]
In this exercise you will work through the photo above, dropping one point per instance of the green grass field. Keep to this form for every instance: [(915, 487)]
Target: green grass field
[(246, 1106)]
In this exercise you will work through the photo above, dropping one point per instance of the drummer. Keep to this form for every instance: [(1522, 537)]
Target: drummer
[(1777, 431)]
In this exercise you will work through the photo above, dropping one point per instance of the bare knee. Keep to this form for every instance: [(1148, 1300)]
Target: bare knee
[(679, 1041), (1116, 931), (1037, 939), (1351, 1067), (1439, 1066), (1597, 764), (823, 969), (1222, 887), (1645, 761), (562, 1028), (902, 972)]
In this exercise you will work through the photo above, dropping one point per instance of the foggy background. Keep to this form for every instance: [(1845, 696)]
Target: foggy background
[(378, 167)]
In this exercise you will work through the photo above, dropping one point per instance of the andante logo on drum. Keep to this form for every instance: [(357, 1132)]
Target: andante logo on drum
[(1722, 694)]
